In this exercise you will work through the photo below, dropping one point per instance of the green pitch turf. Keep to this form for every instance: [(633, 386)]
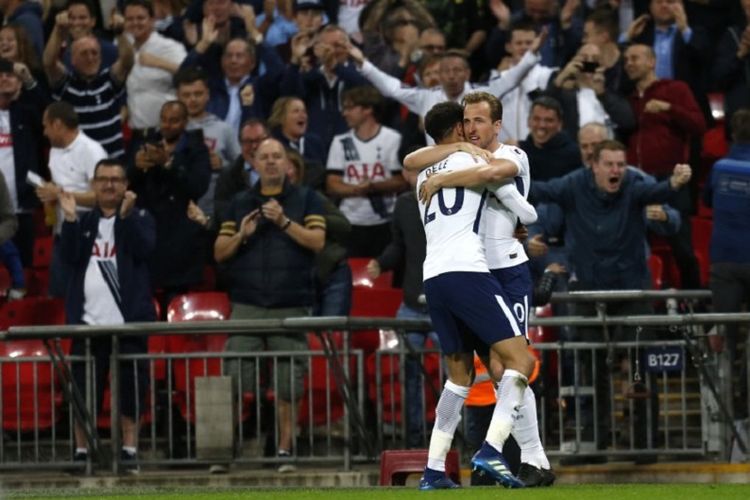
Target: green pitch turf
[(564, 492)]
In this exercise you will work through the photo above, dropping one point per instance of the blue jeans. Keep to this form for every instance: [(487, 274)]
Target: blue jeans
[(335, 295), (12, 259), (413, 376)]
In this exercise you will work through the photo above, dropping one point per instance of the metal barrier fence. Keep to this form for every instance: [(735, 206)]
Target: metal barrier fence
[(587, 403)]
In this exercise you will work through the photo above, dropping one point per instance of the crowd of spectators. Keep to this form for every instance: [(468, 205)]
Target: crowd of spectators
[(224, 112)]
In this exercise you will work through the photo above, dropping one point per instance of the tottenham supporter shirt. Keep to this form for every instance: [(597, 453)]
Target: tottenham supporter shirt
[(7, 163), (358, 161), (101, 286)]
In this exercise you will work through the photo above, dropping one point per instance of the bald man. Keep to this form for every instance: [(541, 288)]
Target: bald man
[(668, 119), (268, 239), (93, 91)]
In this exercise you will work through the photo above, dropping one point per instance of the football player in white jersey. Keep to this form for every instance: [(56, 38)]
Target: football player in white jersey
[(505, 255), (469, 309)]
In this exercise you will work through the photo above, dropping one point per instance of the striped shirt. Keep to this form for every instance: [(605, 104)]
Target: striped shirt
[(97, 103)]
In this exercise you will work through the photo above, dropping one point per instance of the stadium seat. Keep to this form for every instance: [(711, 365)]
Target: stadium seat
[(396, 465), (701, 231), (196, 306), (5, 282), (41, 229), (361, 279), (42, 252), (373, 302), (320, 388), (24, 409), (670, 272), (656, 266), (390, 367)]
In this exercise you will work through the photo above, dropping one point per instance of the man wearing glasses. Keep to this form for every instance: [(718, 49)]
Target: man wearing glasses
[(241, 174), (106, 250)]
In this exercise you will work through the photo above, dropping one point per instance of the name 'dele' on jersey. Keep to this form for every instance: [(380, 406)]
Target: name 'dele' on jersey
[(456, 203)]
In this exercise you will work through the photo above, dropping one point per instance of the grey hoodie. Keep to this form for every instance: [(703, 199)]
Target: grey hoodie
[(220, 139)]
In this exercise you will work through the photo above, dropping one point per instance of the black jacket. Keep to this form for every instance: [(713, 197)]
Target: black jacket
[(134, 239), (231, 181), (557, 157), (179, 255), (272, 270), (28, 143), (732, 75), (407, 247)]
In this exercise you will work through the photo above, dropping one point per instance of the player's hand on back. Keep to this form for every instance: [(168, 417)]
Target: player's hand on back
[(476, 151), (429, 187)]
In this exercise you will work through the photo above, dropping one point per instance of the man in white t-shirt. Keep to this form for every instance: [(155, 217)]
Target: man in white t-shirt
[(454, 80), (364, 172), (107, 251), (157, 59), (72, 159), (517, 102)]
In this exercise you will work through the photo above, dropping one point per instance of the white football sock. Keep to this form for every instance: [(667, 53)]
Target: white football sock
[(447, 417), (526, 433), (509, 397)]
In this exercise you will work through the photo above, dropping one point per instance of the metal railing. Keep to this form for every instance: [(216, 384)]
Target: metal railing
[(570, 404)]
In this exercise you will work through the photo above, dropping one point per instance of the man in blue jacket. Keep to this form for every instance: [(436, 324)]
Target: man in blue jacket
[(107, 251), (727, 192), (603, 209)]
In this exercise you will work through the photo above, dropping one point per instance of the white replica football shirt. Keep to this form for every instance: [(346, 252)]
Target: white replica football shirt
[(101, 285), (451, 223), (375, 160), (501, 247), (7, 161)]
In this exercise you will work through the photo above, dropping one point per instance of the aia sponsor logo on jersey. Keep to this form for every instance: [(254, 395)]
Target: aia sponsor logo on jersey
[(6, 140), (105, 251), (365, 171)]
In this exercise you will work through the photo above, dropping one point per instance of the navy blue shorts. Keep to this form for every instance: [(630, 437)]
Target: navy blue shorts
[(518, 286), (469, 311)]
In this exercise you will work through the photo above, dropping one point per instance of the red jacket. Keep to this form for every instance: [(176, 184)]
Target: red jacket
[(662, 139)]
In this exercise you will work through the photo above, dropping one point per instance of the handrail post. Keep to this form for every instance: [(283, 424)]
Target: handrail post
[(114, 392)]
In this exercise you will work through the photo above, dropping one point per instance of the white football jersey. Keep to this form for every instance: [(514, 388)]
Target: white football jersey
[(502, 249), (451, 223), (357, 161)]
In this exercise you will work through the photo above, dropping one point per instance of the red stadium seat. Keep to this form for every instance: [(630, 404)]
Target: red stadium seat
[(656, 266), (373, 302), (5, 282), (197, 306), (22, 411), (42, 252), (701, 231), (41, 229), (320, 388), (395, 465), (361, 279)]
